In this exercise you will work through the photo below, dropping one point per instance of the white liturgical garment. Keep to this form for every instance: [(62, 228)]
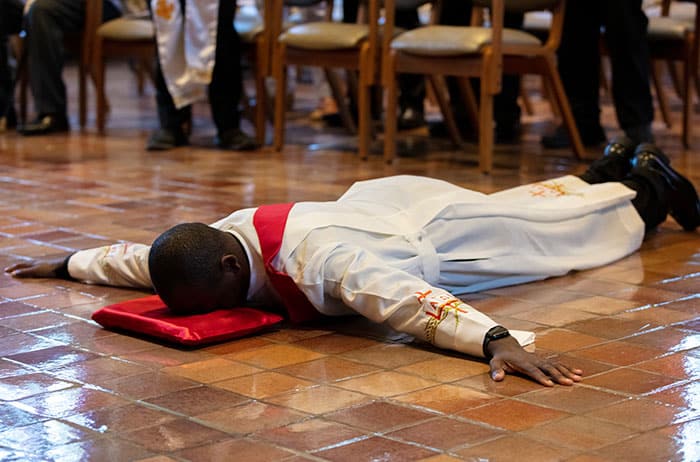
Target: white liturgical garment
[(399, 249), (186, 46)]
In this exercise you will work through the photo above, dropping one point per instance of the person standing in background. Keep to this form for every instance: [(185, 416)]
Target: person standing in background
[(193, 64), (46, 23), (10, 24), (625, 31)]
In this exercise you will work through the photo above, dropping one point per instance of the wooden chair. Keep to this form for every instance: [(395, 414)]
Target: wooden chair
[(256, 45), (326, 44), (480, 52), (675, 39), (125, 37)]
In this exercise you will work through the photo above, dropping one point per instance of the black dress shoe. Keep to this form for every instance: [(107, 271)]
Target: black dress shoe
[(235, 140), (410, 118), (615, 164), (45, 124), (682, 198), (594, 136), (166, 138)]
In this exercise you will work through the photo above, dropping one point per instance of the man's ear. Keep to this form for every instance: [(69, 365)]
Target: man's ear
[(229, 262)]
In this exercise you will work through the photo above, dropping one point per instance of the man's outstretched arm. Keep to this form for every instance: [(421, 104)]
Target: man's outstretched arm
[(47, 267), (120, 265), (408, 304)]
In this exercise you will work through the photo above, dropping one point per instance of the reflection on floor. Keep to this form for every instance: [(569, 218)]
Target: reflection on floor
[(345, 391)]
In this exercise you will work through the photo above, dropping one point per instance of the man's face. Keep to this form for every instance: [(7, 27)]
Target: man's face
[(227, 293)]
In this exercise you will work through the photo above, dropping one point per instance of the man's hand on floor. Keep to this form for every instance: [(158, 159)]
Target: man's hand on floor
[(47, 267), (507, 357)]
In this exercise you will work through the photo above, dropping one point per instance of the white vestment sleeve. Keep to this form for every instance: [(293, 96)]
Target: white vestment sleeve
[(124, 265), (386, 294)]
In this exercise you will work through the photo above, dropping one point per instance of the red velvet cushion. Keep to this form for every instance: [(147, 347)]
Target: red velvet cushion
[(151, 317)]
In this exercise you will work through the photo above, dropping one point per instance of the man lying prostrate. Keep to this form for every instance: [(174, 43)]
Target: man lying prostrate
[(401, 249)]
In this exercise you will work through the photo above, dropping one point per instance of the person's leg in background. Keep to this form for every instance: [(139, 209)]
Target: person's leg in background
[(10, 23), (411, 86), (506, 109), (579, 67), (47, 22), (174, 123), (626, 38), (225, 87)]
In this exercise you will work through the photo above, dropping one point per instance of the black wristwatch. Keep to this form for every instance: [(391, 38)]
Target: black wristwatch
[(495, 333)]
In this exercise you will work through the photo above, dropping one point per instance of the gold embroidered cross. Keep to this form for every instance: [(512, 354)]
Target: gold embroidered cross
[(164, 9)]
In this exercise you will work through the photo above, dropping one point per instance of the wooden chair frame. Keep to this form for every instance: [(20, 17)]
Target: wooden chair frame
[(686, 52), (142, 50), (362, 59), (489, 65)]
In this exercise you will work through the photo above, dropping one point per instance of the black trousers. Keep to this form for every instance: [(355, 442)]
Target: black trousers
[(625, 25), (505, 104), (10, 23), (46, 24), (225, 87)]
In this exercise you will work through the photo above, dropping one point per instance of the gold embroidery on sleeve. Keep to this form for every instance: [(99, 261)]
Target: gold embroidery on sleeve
[(438, 310)]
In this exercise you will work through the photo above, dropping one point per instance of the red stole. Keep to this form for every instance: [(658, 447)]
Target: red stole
[(269, 222)]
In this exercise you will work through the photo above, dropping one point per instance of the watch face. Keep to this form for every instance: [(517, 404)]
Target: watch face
[(498, 332)]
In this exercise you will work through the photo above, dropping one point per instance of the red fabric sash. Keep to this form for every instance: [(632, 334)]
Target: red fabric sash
[(269, 222)]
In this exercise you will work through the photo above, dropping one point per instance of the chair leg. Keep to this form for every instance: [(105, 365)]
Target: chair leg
[(338, 92), (549, 96), (660, 93), (688, 70), (99, 76), (466, 91), (364, 119), (564, 107), (260, 117), (391, 109), (525, 98), (279, 73), (261, 96), (440, 91), (675, 80), (82, 92), (486, 129)]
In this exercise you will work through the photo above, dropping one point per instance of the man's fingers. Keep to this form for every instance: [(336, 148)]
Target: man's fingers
[(21, 272), (573, 374), (15, 267), (536, 373), (556, 374)]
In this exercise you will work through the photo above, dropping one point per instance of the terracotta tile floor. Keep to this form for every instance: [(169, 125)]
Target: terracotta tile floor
[(342, 390)]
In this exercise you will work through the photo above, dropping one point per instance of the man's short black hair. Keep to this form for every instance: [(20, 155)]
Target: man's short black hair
[(186, 258)]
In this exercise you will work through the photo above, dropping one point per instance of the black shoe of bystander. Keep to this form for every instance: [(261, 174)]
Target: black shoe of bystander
[(236, 140), (46, 124), (166, 138), (615, 164)]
